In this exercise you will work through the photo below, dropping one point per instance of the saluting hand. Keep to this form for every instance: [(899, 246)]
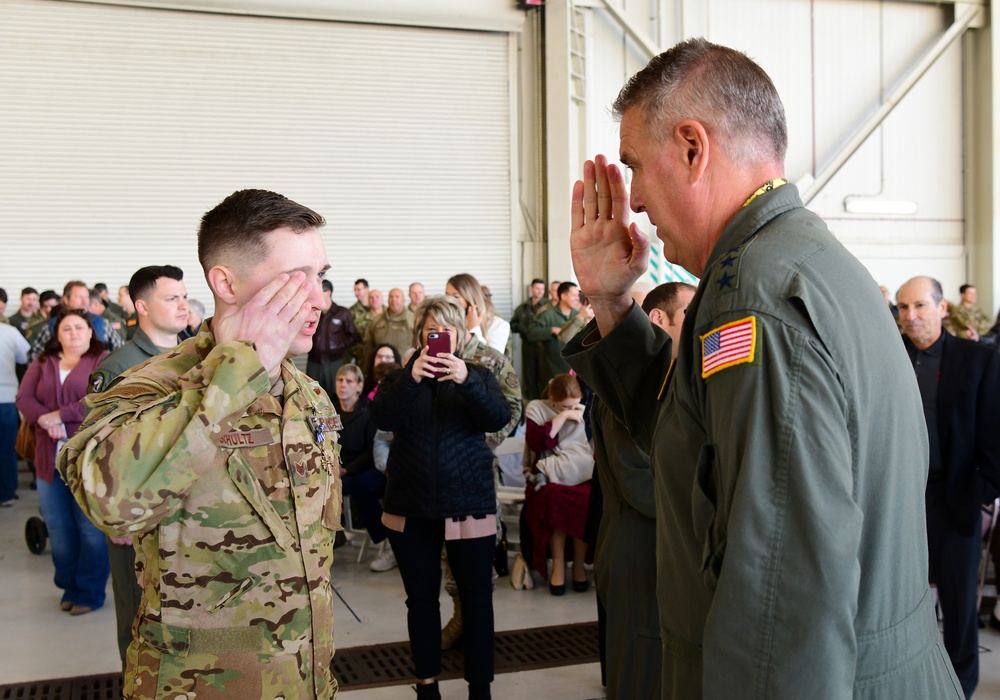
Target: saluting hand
[(270, 319), (609, 254)]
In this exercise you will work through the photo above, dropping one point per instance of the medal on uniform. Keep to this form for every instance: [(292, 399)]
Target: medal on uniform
[(318, 426)]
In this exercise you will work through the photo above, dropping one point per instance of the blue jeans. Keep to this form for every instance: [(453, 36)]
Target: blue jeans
[(365, 489), (79, 550), (8, 457)]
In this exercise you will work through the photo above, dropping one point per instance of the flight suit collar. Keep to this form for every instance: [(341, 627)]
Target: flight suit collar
[(752, 218)]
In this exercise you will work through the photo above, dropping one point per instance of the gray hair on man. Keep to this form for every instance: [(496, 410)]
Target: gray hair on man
[(717, 86)]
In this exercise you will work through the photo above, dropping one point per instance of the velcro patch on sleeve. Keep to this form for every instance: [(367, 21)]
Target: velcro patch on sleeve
[(732, 344)]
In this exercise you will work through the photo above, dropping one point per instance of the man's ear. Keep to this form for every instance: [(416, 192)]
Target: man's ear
[(692, 139), (222, 280), (140, 308), (657, 317)]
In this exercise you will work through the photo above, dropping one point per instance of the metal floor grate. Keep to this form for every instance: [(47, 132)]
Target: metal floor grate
[(373, 666)]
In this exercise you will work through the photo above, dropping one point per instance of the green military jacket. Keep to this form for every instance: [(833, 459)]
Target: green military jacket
[(524, 315), (540, 331), (625, 559), (362, 317), (531, 350), (233, 500), (789, 454), (137, 350), (395, 329), (114, 324), (24, 323)]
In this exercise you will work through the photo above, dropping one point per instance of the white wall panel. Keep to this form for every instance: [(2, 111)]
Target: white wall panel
[(832, 62), (121, 126)]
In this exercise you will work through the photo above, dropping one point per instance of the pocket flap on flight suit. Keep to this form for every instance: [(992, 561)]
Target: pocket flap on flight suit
[(246, 481), (704, 509)]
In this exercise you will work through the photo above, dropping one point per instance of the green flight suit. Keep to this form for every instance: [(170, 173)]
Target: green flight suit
[(124, 584), (115, 329), (789, 472), (625, 560), (394, 329), (531, 351), (362, 317), (233, 495), (540, 331)]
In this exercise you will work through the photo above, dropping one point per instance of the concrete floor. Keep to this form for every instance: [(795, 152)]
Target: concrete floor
[(39, 641)]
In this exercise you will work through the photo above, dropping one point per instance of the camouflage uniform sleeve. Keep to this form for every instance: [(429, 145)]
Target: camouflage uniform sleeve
[(144, 444), (571, 328), (511, 388)]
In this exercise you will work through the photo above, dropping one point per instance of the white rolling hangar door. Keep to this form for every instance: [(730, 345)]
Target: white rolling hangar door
[(122, 125)]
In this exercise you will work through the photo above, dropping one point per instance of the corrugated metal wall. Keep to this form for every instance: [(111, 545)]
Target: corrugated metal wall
[(121, 126)]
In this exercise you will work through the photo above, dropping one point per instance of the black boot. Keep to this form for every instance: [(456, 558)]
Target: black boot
[(479, 692), (428, 691)]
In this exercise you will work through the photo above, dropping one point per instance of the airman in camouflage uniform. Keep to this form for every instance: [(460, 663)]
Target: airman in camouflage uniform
[(362, 316), (221, 460), (961, 318)]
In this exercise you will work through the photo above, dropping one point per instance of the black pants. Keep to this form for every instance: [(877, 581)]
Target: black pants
[(418, 554), (954, 565)]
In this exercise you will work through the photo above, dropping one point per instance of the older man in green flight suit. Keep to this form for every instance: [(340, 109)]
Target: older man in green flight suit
[(221, 459), (787, 441)]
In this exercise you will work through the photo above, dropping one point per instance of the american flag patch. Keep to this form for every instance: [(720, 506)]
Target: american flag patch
[(732, 344)]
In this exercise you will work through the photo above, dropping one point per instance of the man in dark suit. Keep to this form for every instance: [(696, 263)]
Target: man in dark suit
[(959, 384)]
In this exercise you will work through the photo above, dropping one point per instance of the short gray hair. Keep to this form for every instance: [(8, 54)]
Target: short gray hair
[(445, 310), (197, 307), (717, 86), (353, 369)]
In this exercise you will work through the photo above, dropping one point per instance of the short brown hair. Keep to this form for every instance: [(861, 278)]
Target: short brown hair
[(236, 230), (664, 298), (73, 284), (562, 387)]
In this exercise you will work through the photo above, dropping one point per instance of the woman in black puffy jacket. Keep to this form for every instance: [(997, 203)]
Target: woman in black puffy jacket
[(440, 491)]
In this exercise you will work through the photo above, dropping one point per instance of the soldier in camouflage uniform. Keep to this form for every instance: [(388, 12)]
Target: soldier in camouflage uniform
[(361, 314), (965, 320), (221, 459)]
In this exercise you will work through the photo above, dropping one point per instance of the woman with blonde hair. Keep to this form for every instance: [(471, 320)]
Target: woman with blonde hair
[(480, 318), (440, 490), (559, 464)]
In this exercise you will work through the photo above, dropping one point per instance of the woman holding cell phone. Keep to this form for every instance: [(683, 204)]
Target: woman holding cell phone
[(440, 489)]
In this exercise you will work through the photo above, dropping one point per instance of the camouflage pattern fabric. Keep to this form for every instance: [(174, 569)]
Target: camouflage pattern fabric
[(961, 317), (394, 329), (362, 317), (233, 502), (478, 352)]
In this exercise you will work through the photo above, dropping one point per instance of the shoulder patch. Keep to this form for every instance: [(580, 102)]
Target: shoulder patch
[(99, 381), (729, 345)]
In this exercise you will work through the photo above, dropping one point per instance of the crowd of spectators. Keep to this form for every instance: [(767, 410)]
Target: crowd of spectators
[(370, 359)]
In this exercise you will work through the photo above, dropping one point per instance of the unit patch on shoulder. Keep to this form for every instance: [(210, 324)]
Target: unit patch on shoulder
[(732, 344)]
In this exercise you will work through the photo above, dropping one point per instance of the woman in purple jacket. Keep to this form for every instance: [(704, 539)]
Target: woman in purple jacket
[(49, 400)]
